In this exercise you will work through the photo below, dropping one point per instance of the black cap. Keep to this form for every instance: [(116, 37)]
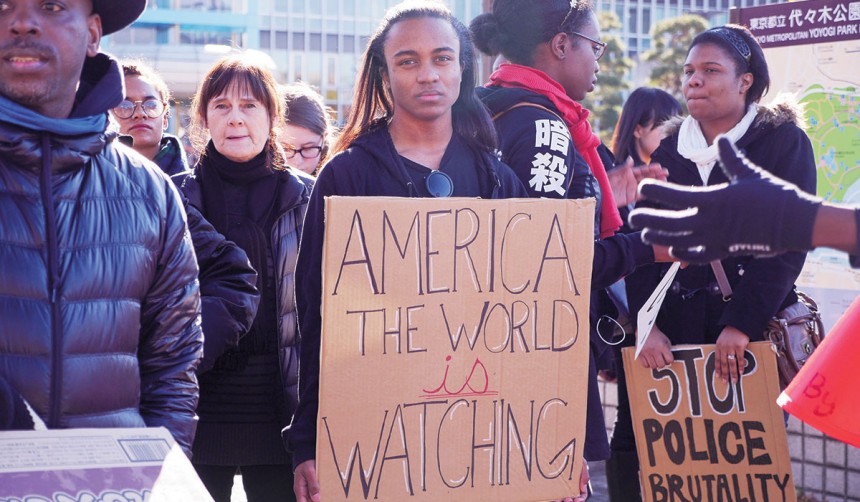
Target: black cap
[(117, 14)]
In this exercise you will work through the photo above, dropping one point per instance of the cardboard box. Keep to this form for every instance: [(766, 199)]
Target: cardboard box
[(454, 348), (70, 465)]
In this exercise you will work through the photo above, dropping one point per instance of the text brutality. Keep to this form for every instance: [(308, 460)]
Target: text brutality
[(718, 487)]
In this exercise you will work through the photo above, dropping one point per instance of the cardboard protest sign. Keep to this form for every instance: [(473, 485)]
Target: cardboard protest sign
[(119, 465), (454, 348), (701, 439)]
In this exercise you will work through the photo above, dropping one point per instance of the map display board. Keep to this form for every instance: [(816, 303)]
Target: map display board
[(813, 51)]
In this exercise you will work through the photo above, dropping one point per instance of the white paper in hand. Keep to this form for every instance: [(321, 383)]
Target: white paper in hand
[(648, 314)]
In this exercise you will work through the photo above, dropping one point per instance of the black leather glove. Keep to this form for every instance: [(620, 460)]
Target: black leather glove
[(755, 213)]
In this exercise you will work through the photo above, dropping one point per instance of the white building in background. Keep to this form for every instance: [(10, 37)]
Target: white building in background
[(638, 17), (321, 41), (317, 41)]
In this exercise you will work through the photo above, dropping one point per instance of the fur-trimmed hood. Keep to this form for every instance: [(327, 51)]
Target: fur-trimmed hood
[(784, 109)]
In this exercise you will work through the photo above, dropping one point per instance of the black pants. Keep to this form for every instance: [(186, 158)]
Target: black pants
[(622, 468), (623, 438), (263, 483)]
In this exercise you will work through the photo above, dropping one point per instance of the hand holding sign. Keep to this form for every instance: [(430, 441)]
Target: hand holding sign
[(584, 485), (731, 345), (656, 351), (305, 484)]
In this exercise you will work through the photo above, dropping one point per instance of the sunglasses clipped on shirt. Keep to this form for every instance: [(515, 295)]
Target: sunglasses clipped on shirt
[(439, 184), (152, 108)]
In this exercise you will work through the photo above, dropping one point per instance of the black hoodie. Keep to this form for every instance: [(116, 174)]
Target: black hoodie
[(370, 167)]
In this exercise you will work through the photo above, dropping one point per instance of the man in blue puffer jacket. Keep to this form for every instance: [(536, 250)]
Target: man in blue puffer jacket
[(99, 303)]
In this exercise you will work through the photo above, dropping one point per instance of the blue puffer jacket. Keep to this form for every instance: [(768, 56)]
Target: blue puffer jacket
[(99, 303)]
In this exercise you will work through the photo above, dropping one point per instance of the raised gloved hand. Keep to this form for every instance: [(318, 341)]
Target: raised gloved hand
[(755, 213)]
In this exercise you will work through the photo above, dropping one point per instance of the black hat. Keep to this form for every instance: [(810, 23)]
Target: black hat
[(117, 14)]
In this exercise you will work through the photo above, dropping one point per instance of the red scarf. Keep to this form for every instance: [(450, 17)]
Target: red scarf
[(585, 141)]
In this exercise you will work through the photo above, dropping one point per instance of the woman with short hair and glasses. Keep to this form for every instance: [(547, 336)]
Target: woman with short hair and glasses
[(416, 129), (143, 116), (307, 132), (552, 48)]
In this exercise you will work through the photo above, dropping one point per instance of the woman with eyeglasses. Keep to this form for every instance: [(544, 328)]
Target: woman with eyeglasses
[(243, 186), (725, 76), (416, 129), (552, 48), (308, 130), (143, 116)]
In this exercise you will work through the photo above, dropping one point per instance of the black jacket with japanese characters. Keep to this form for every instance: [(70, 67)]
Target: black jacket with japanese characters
[(537, 144)]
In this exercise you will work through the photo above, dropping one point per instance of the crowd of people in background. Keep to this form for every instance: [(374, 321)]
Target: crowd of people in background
[(98, 291)]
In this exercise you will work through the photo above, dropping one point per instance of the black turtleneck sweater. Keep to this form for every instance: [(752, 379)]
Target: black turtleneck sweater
[(241, 405)]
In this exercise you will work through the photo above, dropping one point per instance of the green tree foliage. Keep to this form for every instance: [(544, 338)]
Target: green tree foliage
[(671, 38), (613, 80)]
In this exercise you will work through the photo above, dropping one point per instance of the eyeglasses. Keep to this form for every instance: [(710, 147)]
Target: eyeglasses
[(308, 152), (439, 184), (152, 108), (598, 47)]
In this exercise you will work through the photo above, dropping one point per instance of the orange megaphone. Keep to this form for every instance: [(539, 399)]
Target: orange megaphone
[(824, 392)]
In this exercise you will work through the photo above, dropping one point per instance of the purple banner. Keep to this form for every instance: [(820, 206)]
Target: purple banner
[(799, 23), (130, 484)]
